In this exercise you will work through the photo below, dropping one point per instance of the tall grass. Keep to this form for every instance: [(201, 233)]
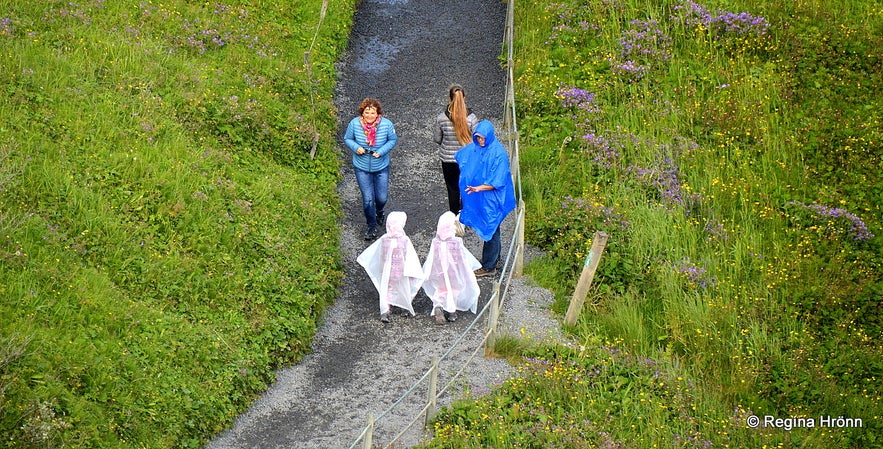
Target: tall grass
[(732, 151), (158, 206)]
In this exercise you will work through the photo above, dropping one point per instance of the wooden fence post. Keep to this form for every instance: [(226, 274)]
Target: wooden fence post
[(368, 441), (433, 392), (519, 244), (599, 241), (493, 313)]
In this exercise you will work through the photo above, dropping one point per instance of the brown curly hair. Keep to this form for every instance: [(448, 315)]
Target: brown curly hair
[(371, 103)]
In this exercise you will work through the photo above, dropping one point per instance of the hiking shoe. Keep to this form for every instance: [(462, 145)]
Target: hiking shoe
[(371, 233), (381, 219), (439, 315), (384, 317), (452, 317), (483, 272)]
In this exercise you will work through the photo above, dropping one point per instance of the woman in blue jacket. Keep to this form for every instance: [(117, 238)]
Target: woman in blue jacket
[(486, 178), (371, 137)]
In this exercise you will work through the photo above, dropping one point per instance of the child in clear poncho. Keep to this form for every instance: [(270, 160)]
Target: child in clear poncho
[(449, 272), (393, 266)]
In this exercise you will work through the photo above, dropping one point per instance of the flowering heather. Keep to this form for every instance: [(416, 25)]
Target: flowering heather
[(645, 41), (581, 104), (642, 46), (723, 23), (629, 70), (715, 230), (6, 26), (602, 150), (665, 177), (574, 97), (830, 216), (564, 30), (695, 275)]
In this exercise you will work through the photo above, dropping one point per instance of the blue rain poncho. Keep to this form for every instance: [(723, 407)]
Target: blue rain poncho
[(485, 165)]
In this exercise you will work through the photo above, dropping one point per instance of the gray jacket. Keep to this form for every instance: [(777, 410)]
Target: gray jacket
[(445, 136)]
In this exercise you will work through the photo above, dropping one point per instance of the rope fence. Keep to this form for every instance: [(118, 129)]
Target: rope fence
[(308, 65), (512, 267)]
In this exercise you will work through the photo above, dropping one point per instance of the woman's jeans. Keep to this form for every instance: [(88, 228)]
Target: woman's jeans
[(375, 191), (490, 252)]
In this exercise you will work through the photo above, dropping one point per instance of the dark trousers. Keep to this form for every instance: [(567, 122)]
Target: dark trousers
[(490, 251), (451, 173)]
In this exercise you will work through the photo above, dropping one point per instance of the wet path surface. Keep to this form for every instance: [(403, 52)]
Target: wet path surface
[(405, 53)]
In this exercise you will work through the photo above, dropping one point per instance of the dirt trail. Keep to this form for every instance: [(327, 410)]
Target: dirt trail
[(405, 53)]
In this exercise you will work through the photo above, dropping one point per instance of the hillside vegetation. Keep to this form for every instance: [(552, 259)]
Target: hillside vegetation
[(733, 152), (166, 237)]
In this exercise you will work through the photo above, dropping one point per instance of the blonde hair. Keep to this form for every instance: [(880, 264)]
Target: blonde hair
[(458, 111)]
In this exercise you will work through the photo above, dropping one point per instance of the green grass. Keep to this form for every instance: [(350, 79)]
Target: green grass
[(157, 200), (737, 173), (158, 205)]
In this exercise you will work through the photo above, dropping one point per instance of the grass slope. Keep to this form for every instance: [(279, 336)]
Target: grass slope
[(732, 151), (166, 239)]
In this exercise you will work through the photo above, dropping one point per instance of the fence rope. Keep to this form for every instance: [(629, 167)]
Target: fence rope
[(505, 273), (309, 68)]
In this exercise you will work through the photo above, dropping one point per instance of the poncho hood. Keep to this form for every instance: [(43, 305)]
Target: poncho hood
[(484, 129)]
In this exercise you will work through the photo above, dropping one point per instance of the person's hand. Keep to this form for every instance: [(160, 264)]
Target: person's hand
[(360, 151), (473, 189)]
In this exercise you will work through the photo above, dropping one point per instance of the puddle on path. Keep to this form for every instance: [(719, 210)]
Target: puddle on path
[(375, 56)]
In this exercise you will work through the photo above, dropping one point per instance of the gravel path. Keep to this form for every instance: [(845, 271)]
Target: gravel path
[(405, 53)]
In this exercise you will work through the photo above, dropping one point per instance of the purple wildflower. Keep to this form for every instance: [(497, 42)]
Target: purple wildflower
[(715, 230), (695, 275), (6, 26), (629, 70), (574, 97), (831, 215), (665, 177), (601, 150), (646, 41), (722, 23)]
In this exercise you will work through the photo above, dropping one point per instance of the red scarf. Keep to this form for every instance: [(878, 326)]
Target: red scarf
[(371, 131)]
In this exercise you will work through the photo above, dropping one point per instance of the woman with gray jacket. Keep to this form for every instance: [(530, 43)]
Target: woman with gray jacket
[(453, 130)]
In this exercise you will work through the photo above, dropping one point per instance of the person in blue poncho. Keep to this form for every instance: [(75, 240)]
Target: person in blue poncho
[(486, 179)]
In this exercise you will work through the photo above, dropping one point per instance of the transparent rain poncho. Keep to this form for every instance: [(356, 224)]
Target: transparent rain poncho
[(449, 270), (393, 266)]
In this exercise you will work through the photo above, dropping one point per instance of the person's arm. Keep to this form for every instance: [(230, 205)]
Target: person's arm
[(350, 139), (481, 188), (437, 132)]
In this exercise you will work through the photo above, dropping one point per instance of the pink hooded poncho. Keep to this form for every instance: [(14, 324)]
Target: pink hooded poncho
[(393, 266), (449, 270)]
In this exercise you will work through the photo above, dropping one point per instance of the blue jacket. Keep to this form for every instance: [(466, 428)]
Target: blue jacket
[(485, 210), (386, 140)]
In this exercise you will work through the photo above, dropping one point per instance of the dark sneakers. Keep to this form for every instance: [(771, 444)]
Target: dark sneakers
[(384, 317), (381, 219), (371, 234)]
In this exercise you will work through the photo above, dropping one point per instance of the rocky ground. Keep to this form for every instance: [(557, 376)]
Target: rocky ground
[(405, 53)]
